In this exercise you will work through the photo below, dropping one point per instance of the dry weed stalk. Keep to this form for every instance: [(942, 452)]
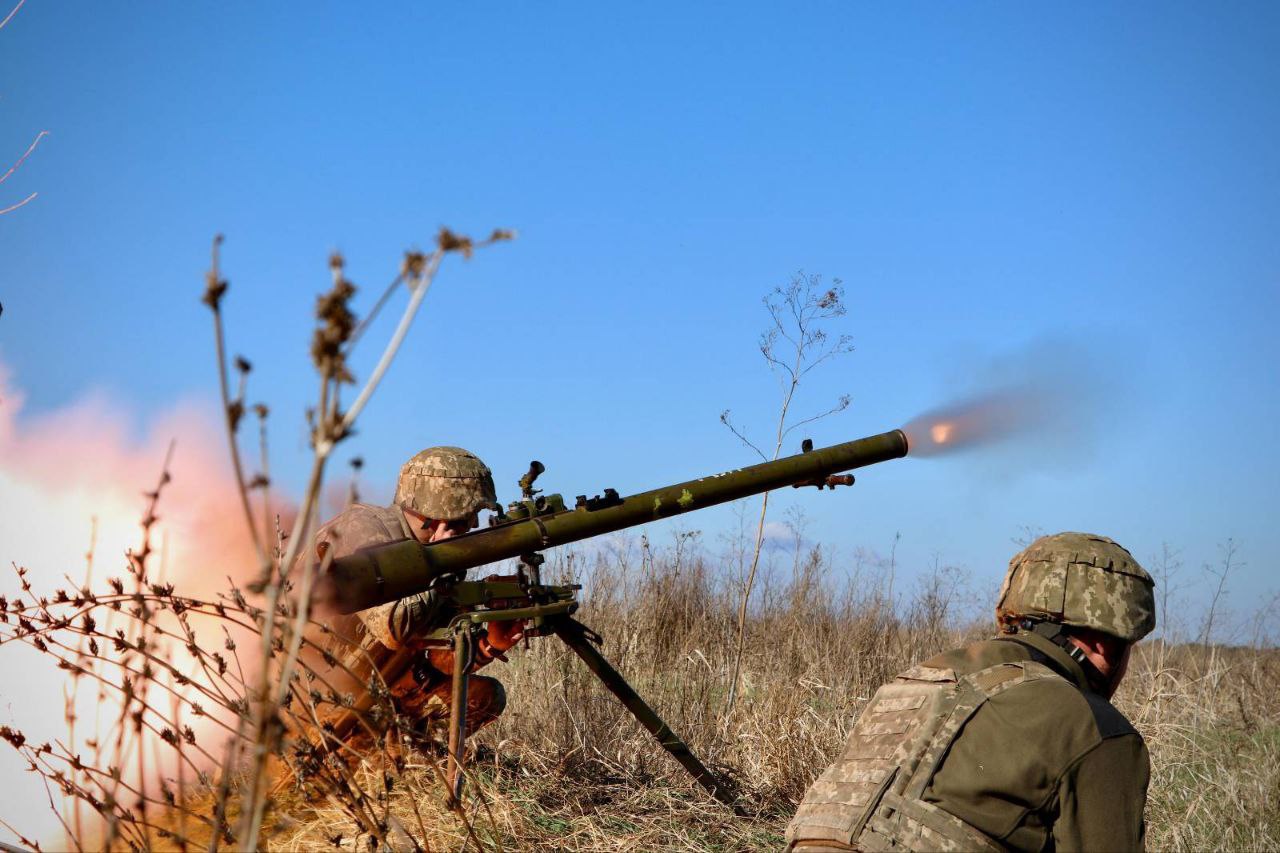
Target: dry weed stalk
[(793, 346), (137, 661), (273, 706), (330, 424), (34, 143)]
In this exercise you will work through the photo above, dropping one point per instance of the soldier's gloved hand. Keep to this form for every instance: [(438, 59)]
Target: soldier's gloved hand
[(500, 637)]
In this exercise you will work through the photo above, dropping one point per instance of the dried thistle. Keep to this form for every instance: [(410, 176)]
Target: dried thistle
[(448, 241), (158, 630), (413, 265), (337, 322), (215, 289)]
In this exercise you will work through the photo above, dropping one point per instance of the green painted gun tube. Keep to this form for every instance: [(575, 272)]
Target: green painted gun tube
[(385, 573)]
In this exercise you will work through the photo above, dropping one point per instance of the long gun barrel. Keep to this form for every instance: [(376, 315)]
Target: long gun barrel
[(390, 572)]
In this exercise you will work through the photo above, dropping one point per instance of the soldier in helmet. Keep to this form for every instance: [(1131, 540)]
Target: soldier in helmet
[(1008, 743), (440, 494)]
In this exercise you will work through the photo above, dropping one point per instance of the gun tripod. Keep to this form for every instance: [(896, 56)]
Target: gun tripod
[(579, 638)]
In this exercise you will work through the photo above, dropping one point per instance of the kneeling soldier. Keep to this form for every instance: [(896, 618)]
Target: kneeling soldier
[(440, 494), (1009, 743)]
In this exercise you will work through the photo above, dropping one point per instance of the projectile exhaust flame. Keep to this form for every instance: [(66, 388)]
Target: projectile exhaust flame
[(979, 420), (1046, 404)]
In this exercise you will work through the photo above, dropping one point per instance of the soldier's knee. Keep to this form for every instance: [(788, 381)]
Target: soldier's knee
[(486, 697)]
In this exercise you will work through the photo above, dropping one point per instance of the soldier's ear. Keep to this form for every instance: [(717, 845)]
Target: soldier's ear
[(1115, 649), (1104, 645)]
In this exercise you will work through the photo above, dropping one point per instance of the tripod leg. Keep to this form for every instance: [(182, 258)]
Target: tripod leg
[(458, 711), (571, 632)]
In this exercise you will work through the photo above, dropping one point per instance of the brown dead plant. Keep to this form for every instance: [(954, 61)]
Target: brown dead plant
[(796, 343), (216, 698)]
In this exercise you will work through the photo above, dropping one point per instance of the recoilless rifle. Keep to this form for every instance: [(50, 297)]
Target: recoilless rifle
[(390, 572)]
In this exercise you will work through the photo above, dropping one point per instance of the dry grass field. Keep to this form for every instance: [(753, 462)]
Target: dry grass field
[(567, 769)]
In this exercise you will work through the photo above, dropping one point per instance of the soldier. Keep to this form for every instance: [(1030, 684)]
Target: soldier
[(439, 495), (1008, 743)]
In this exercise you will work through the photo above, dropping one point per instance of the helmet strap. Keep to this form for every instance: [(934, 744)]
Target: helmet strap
[(1057, 634)]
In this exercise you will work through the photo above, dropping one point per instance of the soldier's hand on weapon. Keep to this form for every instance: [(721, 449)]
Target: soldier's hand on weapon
[(501, 637)]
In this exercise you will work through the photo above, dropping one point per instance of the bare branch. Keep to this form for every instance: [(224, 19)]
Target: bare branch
[(1226, 564), (776, 364), (840, 406), (215, 288), (13, 12), (724, 419), (32, 147), (843, 346), (14, 207), (373, 312), (794, 312), (421, 277), (779, 327), (277, 708)]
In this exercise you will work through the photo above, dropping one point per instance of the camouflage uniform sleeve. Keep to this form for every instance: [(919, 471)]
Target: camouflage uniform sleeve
[(392, 623), (1102, 797), (360, 527)]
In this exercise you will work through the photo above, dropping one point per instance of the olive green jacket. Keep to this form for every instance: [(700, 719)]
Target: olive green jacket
[(1048, 765)]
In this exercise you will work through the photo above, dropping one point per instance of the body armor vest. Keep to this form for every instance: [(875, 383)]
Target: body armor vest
[(871, 797)]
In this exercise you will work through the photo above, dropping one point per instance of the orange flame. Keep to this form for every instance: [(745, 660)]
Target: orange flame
[(975, 421)]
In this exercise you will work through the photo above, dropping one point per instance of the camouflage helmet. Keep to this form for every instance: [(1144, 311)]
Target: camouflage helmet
[(446, 483), (1079, 579)]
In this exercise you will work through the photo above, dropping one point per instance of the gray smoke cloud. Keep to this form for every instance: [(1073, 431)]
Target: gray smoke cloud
[(1047, 405)]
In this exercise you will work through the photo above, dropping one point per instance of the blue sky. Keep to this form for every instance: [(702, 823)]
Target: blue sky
[(1005, 189)]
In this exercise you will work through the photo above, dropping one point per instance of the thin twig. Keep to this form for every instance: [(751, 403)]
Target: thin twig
[(14, 207), (805, 307), (373, 312), (13, 12), (214, 289), (265, 482), (724, 419), (420, 284), (32, 147)]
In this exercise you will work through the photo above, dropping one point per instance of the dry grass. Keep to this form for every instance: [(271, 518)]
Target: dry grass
[(1211, 718), (567, 769)]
